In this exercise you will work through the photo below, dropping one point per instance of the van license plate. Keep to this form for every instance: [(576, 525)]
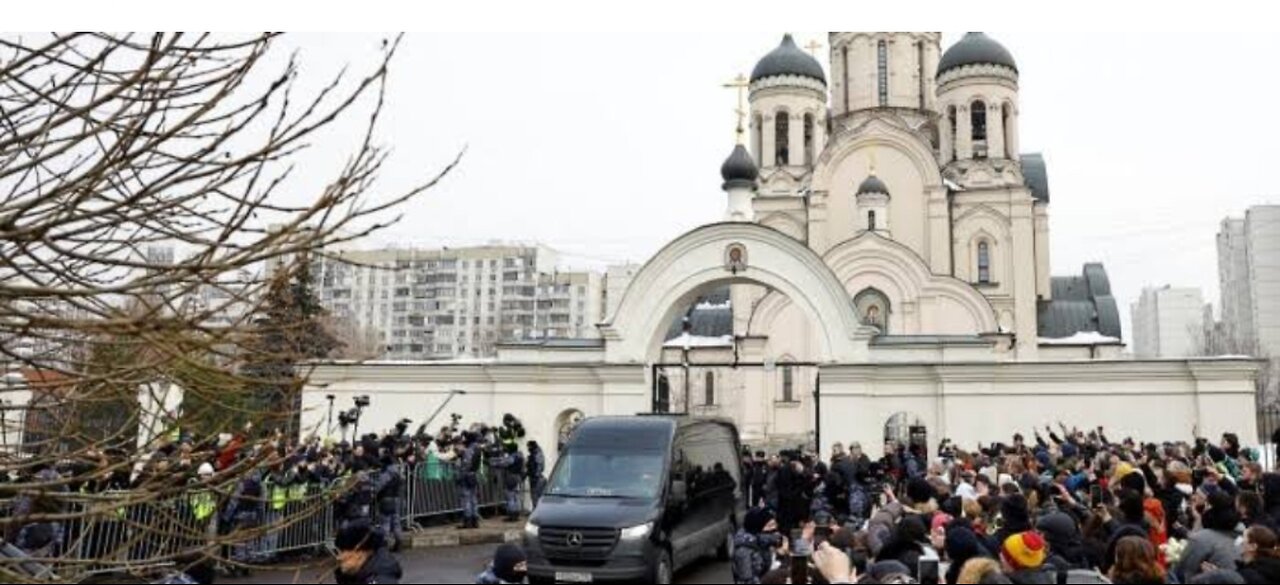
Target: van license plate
[(574, 578)]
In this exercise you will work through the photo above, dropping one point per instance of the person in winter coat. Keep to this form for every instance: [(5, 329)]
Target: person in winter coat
[(962, 546), (1214, 543), (510, 565), (754, 546), (363, 558), (1066, 544), (1023, 556), (536, 472), (1136, 563), (1261, 558)]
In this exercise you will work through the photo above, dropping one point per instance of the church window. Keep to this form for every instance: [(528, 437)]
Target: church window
[(710, 389), (978, 116), (984, 263), (871, 220), (920, 72), (782, 139), (1006, 117), (951, 119), (882, 59), (757, 126), (788, 384), (844, 52), (808, 139)]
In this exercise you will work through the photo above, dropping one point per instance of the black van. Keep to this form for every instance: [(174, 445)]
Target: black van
[(635, 499)]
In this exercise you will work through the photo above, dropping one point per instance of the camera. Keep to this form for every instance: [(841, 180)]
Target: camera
[(362, 402), (348, 418)]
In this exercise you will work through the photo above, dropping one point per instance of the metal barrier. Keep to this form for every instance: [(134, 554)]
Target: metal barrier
[(109, 531)]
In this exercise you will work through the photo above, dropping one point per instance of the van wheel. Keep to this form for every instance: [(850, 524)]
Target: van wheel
[(664, 573), (725, 552)]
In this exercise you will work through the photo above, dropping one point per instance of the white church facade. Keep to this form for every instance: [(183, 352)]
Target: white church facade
[(882, 264)]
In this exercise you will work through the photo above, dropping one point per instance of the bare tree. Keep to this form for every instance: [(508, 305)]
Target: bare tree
[(147, 198)]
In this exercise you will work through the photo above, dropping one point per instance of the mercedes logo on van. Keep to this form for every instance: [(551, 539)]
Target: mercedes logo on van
[(574, 539)]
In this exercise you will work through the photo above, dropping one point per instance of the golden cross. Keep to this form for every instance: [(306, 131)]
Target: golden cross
[(813, 47), (740, 83), (872, 166)]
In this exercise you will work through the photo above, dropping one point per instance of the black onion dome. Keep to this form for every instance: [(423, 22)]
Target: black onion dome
[(873, 184), (739, 169), (788, 59), (976, 49)]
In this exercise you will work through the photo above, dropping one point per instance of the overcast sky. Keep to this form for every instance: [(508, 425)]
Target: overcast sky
[(606, 146)]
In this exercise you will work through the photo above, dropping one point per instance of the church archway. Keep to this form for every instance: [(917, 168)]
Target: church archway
[(704, 259)]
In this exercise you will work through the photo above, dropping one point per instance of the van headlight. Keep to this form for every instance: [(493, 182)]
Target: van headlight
[(531, 530), (635, 533)]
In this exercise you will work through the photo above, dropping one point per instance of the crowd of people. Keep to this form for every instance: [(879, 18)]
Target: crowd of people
[(1066, 506), (240, 483)]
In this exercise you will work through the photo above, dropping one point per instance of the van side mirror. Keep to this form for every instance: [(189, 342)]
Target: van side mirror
[(679, 494)]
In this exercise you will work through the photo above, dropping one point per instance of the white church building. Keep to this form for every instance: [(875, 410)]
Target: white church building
[(881, 271)]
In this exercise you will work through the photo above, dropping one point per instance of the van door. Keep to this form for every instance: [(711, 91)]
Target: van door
[(710, 479)]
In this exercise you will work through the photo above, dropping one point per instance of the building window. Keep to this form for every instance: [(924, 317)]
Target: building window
[(984, 263), (808, 139), (782, 139), (920, 72), (978, 117), (788, 384), (951, 119), (883, 63), (871, 221), (710, 388), (757, 127)]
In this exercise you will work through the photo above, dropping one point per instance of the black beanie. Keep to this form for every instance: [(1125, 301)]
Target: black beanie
[(919, 491), (358, 536), (1015, 512), (756, 520), (505, 561), (1135, 481)]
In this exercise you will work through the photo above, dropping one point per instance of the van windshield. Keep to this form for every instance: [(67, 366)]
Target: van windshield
[(597, 474)]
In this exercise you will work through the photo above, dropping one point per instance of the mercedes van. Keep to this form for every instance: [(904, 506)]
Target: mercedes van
[(635, 499)]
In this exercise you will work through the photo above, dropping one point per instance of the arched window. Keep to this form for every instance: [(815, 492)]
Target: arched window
[(808, 139), (984, 263), (782, 139), (951, 119), (709, 388), (873, 309), (882, 61), (788, 384), (871, 220), (978, 117), (1009, 143), (848, 77), (757, 127)]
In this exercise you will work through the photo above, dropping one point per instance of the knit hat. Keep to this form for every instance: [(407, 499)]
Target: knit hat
[(1015, 512), (1134, 481), (919, 491), (1122, 470), (358, 536), (205, 470), (1024, 551), (756, 520), (505, 561)]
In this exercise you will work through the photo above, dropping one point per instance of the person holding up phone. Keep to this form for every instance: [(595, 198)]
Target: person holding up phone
[(755, 546)]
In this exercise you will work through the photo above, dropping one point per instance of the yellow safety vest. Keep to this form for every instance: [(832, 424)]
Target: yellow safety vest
[(298, 493), (203, 505)]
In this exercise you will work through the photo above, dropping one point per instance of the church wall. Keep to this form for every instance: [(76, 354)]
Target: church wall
[(908, 217)]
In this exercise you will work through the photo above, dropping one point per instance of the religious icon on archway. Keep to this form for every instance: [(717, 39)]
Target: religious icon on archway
[(735, 258)]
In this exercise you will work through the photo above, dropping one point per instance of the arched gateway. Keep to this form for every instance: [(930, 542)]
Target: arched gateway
[(731, 253)]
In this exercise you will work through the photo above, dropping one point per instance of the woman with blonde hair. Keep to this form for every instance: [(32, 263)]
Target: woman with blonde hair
[(982, 570)]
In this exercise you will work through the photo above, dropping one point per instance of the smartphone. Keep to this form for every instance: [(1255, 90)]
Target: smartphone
[(1095, 495), (928, 570), (799, 569), (821, 534)]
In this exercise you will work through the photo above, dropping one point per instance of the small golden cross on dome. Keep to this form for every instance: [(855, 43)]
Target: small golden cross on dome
[(813, 47), (740, 83)]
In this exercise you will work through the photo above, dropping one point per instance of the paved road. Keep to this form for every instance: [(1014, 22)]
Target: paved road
[(461, 565)]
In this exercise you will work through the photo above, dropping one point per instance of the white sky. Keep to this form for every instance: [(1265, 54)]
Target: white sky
[(608, 145)]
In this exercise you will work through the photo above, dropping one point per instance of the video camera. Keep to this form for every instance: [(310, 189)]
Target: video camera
[(348, 418)]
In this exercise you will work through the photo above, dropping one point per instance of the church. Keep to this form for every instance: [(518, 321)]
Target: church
[(881, 272)]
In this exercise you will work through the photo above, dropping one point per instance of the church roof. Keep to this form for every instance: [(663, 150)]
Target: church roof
[(788, 59), (709, 316), (1081, 304), (873, 184), (1036, 175), (976, 49), (739, 169)]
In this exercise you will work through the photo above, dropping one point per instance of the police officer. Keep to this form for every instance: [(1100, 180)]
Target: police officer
[(536, 468), (468, 479), (389, 485), (513, 467)]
